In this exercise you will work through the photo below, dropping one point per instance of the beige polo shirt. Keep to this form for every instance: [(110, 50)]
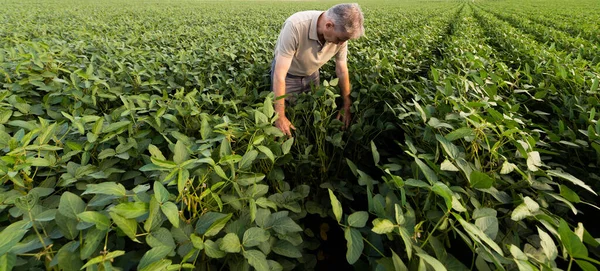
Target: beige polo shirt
[(298, 38)]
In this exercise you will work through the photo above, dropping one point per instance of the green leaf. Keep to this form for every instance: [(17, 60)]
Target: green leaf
[(231, 243), (106, 154), (160, 192), (548, 245), (161, 265), (520, 212), (67, 257), (336, 205), (205, 128), (531, 204), (182, 177), (128, 226), (421, 111), (248, 179), (275, 266), (7, 261), (355, 244), (486, 220), (282, 224), (586, 266), (115, 126), (260, 118), (216, 227), (382, 226), (247, 159), (212, 250), (448, 166), (156, 153), (358, 219), (265, 150), (206, 220), (437, 265), (398, 264), (268, 107), (39, 162), (171, 212), (101, 221), (106, 188), (533, 160), (12, 234), (445, 192), (352, 167), (161, 237), (108, 257), (181, 153), (480, 180), (254, 236), (375, 153), (569, 194), (131, 209), (197, 241), (67, 226), (559, 173), (285, 248), (595, 83), (153, 255), (451, 149), (571, 241), (155, 217), (225, 148), (478, 234), (70, 205), (257, 259), (429, 173), (92, 240), (287, 146), (507, 167), (460, 133), (220, 172)]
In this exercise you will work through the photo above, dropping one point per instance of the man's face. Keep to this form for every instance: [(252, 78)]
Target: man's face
[(331, 35)]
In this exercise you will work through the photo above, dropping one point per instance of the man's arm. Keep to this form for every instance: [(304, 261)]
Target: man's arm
[(282, 65), (341, 70)]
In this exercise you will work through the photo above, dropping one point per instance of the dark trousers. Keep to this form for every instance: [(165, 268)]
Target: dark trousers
[(295, 85)]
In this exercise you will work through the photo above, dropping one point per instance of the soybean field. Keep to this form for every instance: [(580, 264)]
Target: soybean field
[(138, 135)]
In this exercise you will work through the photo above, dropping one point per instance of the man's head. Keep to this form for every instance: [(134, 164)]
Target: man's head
[(343, 22)]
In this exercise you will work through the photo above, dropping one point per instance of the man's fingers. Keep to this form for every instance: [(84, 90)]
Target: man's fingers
[(292, 126)]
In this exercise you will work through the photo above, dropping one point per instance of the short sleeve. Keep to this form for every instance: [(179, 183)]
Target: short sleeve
[(342, 53), (287, 44)]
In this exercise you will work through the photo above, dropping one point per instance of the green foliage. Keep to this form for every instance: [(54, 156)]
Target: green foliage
[(142, 137)]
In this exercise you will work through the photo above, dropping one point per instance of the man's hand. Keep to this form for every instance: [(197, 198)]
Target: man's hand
[(345, 115), (284, 125), (341, 70)]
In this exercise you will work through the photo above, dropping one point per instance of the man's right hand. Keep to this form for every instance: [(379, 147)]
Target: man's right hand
[(284, 125)]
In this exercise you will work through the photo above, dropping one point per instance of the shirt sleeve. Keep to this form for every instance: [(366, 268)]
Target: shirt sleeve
[(287, 43), (342, 53)]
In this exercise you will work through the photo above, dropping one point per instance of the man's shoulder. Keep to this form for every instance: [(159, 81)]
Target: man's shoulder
[(303, 16)]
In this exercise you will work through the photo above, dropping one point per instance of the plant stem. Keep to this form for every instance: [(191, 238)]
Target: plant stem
[(434, 228), (380, 253), (570, 263)]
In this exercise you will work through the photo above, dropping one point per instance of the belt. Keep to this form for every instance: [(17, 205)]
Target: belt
[(295, 76)]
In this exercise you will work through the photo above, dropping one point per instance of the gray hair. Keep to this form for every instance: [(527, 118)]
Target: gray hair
[(347, 18)]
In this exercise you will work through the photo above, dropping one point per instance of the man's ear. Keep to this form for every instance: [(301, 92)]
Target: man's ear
[(329, 25)]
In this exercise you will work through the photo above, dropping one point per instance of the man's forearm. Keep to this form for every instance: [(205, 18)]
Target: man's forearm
[(279, 90), (344, 83)]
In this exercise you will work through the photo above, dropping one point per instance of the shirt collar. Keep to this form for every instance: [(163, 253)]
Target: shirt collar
[(312, 33)]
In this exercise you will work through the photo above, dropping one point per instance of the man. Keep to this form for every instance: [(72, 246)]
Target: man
[(307, 40)]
